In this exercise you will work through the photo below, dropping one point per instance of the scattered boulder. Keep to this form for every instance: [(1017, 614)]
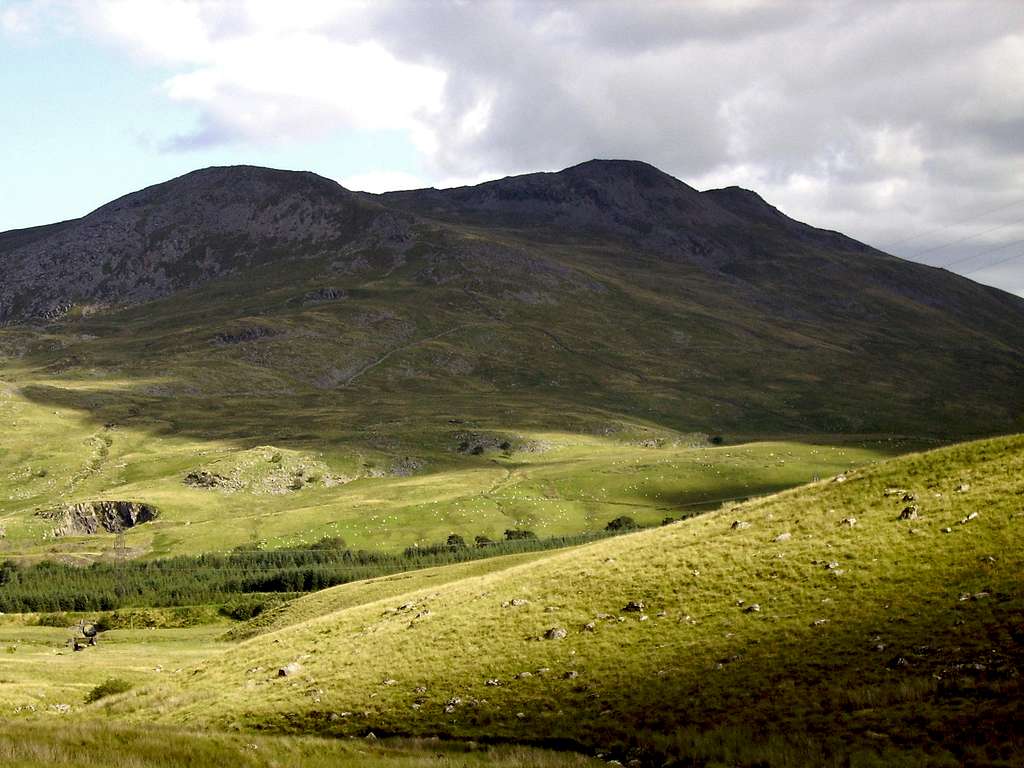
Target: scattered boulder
[(752, 608), (963, 488), (894, 492), (556, 633), (739, 525), (515, 602), (909, 513), (292, 668), (590, 626), (452, 704), (819, 622), (633, 606), (203, 479), (840, 478), (572, 674), (493, 682), (972, 516), (848, 522), (947, 529), (786, 536), (908, 496), (897, 662)]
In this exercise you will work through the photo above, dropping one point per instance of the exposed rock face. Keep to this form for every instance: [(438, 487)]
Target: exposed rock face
[(89, 517), (323, 294), (623, 197), (176, 235)]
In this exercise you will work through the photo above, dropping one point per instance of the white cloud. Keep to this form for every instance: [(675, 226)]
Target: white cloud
[(269, 72), (382, 181)]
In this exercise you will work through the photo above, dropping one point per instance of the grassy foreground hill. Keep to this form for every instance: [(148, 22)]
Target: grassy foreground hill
[(812, 627)]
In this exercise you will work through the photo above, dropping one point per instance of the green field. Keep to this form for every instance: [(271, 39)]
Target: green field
[(553, 483), (872, 645)]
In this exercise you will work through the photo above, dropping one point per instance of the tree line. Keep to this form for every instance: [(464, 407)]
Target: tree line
[(219, 578)]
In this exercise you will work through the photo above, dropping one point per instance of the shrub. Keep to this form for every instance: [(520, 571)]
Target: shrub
[(108, 687), (517, 534), (622, 523), (483, 541), (242, 609), (456, 542), (330, 542), (8, 569)]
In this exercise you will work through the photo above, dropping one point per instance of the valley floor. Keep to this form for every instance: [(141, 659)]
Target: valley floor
[(873, 621)]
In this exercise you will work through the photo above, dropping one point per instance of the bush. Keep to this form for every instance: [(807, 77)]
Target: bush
[(108, 687), (717, 440), (243, 610), (330, 542), (516, 534), (8, 569), (456, 542), (483, 541), (623, 523)]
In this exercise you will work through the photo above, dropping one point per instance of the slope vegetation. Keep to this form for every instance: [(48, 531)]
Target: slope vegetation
[(265, 356), (820, 625)]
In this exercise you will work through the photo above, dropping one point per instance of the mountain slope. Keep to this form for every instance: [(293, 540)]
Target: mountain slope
[(390, 346), (175, 235), (871, 641)]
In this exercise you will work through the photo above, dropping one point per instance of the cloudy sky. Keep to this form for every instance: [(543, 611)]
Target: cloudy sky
[(899, 123)]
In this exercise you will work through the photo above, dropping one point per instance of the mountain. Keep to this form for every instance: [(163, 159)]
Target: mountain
[(173, 236), (469, 359)]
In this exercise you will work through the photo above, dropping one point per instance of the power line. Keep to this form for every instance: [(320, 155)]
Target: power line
[(962, 259), (953, 224), (967, 237), (994, 263)]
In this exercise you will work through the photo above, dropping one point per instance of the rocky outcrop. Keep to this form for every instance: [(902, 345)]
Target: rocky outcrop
[(241, 335), (89, 517), (321, 295), (176, 235)]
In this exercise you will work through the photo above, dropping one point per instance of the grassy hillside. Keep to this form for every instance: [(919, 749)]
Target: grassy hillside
[(882, 639), (265, 357), (293, 467), (113, 746)]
